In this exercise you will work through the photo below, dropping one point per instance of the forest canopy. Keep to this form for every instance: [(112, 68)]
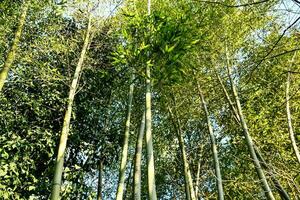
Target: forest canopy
[(149, 99)]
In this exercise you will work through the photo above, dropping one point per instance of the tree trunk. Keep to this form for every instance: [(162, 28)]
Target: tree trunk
[(99, 189), (189, 188), (138, 159), (248, 138), (66, 125), (12, 52), (232, 106), (197, 180), (149, 143), (213, 146), (120, 190), (289, 119), (283, 194), (129, 182)]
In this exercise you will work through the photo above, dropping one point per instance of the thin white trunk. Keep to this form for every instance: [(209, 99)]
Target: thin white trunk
[(66, 125), (289, 119), (13, 51), (189, 188), (213, 146), (138, 159), (149, 144), (248, 138), (197, 180), (283, 194), (121, 187)]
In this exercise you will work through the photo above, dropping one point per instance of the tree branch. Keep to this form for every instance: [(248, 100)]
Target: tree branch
[(283, 53), (273, 47), (235, 6)]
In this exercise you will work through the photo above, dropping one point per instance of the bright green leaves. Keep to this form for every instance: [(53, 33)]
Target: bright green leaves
[(169, 49), (144, 46), (3, 170), (164, 39), (15, 164)]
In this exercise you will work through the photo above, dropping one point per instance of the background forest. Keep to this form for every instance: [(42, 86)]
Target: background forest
[(140, 99)]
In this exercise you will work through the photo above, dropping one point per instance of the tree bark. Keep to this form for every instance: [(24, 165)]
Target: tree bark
[(66, 124), (120, 190), (129, 183), (138, 159), (149, 143), (289, 119), (13, 51), (197, 180), (189, 188), (99, 188), (249, 142), (213, 145)]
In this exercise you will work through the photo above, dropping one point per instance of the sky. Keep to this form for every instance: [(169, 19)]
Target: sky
[(289, 11), (100, 8)]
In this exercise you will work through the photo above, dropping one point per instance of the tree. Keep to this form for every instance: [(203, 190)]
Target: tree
[(66, 125), (138, 158), (213, 145), (168, 46), (248, 138), (13, 50), (189, 188), (289, 118), (125, 145), (148, 127)]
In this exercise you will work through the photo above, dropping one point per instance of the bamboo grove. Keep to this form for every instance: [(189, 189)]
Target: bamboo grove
[(149, 99)]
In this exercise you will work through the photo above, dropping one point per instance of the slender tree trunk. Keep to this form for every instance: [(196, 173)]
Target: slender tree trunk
[(149, 7), (189, 188), (138, 159), (120, 190), (289, 119), (13, 51), (99, 189), (149, 144), (231, 104), (213, 146), (197, 180), (283, 194), (260, 172), (66, 125)]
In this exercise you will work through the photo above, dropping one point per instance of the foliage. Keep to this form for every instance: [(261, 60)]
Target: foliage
[(183, 42)]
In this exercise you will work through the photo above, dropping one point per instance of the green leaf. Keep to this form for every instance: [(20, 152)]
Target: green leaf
[(31, 187)]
